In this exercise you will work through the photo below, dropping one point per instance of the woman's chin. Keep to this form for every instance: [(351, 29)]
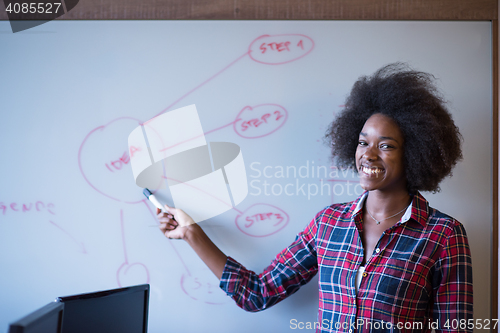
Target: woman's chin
[(367, 186)]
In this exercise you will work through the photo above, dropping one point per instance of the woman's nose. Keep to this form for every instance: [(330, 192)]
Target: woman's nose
[(370, 153)]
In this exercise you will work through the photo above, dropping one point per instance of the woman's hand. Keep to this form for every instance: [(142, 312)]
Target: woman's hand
[(184, 227), (178, 228)]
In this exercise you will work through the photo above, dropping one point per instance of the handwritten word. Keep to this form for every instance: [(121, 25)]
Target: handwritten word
[(118, 164), (38, 206), (133, 150), (201, 286), (280, 49), (263, 217), (277, 46), (261, 120), (256, 122), (99, 147), (261, 220)]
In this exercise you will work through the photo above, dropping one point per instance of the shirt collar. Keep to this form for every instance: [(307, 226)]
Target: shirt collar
[(418, 210)]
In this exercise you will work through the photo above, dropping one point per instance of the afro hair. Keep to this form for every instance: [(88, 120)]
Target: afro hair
[(432, 142)]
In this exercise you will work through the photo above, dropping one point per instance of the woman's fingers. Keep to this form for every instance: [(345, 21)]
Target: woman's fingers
[(172, 221), (171, 231), (166, 219), (168, 224), (162, 215), (167, 227)]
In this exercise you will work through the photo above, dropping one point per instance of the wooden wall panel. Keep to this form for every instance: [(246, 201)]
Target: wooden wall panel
[(281, 10)]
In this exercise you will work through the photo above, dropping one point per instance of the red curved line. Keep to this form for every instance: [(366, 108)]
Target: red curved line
[(256, 39), (284, 62), (141, 264), (196, 299), (128, 267), (184, 290), (80, 153), (118, 274), (279, 209), (266, 235), (260, 136)]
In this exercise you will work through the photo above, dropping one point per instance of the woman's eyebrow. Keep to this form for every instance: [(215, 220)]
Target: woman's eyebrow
[(380, 137), (387, 138)]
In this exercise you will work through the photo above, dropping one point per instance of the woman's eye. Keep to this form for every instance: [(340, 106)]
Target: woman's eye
[(361, 143), (385, 146)]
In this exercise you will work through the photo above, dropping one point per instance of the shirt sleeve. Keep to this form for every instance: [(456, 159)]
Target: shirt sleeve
[(453, 305), (293, 267)]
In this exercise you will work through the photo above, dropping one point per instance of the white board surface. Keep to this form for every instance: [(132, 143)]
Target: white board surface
[(72, 219)]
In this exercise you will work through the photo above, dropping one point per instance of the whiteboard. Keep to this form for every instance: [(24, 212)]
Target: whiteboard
[(72, 219)]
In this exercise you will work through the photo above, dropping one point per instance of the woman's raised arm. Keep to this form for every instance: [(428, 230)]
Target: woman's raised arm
[(183, 227)]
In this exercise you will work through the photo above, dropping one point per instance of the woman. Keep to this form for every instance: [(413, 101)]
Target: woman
[(386, 261)]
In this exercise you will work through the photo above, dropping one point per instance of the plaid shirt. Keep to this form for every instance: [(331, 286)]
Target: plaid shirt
[(419, 276)]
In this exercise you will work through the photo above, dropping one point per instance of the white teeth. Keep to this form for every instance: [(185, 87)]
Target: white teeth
[(371, 171)]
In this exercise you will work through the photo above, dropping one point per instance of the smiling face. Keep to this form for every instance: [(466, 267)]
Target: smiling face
[(379, 155)]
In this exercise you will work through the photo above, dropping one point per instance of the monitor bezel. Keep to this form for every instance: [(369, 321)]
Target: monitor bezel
[(27, 322), (114, 292)]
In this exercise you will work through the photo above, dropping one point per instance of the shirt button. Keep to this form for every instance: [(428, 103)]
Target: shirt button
[(365, 274), (377, 250)]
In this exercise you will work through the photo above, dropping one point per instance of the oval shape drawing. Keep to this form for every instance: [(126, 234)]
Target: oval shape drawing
[(201, 286), (260, 120), (132, 274), (104, 161), (280, 49), (262, 220)]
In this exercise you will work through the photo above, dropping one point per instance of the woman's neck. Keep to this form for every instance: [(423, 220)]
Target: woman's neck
[(384, 204)]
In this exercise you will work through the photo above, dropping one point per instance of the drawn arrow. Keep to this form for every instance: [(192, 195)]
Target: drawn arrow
[(80, 244)]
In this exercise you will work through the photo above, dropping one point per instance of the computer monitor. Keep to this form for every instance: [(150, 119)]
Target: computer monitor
[(123, 310), (47, 319)]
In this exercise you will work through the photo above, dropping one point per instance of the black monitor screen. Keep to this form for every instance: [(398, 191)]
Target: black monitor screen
[(47, 319), (123, 310)]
